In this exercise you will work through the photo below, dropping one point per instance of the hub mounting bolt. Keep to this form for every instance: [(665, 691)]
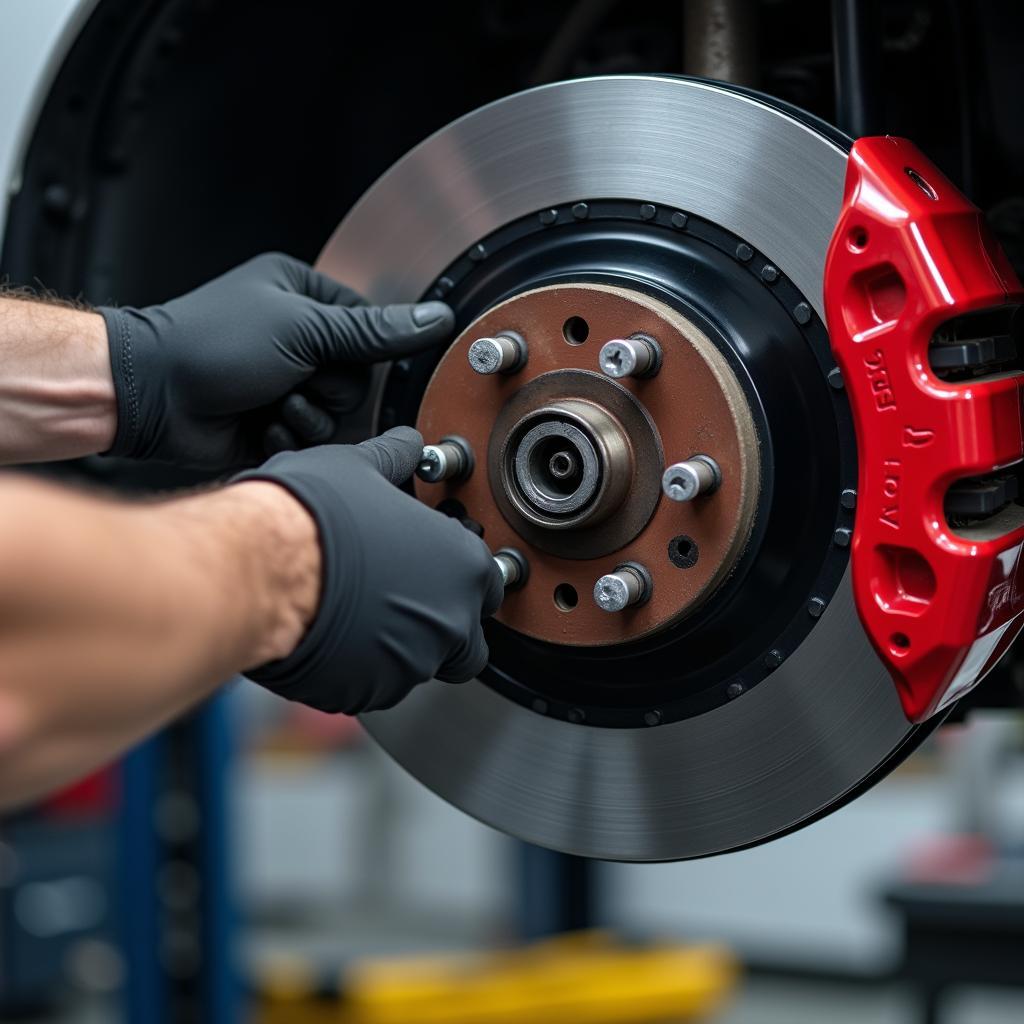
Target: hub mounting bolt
[(630, 357), (683, 481), (449, 459), (616, 591), (513, 567), (504, 353)]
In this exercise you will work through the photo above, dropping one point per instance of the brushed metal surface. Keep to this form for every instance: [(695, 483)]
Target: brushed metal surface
[(693, 145), (829, 715)]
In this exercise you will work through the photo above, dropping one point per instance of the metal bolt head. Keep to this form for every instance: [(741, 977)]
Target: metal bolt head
[(617, 590), (433, 464), (508, 569), (611, 593), (625, 357), (513, 567), (618, 359), (449, 459), (683, 481), (495, 355), (485, 355), (630, 357)]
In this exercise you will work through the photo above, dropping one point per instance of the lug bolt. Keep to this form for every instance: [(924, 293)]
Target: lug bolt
[(629, 357), (616, 591), (683, 481), (504, 353), (513, 567), (449, 459)]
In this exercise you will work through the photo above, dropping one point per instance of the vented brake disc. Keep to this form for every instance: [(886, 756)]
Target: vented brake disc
[(744, 698)]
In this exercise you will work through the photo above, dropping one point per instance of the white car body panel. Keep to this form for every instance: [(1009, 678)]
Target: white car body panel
[(35, 36)]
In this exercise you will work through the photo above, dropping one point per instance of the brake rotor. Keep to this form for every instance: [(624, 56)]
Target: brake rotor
[(744, 699)]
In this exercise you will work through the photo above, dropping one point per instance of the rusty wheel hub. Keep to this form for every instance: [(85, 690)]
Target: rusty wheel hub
[(569, 461)]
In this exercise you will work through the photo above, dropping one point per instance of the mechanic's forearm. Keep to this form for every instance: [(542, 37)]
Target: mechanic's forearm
[(56, 390), (114, 618)]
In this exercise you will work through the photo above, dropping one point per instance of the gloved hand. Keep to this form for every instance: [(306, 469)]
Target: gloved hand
[(403, 588), (258, 360)]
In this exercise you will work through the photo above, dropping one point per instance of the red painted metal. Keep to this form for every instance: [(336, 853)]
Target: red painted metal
[(909, 253)]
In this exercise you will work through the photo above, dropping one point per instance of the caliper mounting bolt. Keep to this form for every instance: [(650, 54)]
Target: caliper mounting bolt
[(629, 584), (630, 357), (684, 481), (513, 567), (450, 459), (504, 353)]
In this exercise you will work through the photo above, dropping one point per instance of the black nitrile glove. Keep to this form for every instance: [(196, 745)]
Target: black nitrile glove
[(259, 360), (404, 587)]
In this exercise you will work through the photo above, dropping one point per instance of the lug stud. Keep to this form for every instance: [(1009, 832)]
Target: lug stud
[(513, 567), (449, 459), (630, 357), (616, 591), (684, 481), (504, 353)]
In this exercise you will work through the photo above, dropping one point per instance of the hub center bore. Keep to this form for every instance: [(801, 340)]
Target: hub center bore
[(563, 465), (569, 459), (567, 465)]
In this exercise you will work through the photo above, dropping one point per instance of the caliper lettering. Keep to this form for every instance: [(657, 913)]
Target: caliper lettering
[(878, 376)]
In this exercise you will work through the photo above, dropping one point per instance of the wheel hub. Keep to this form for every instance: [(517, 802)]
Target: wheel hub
[(574, 459)]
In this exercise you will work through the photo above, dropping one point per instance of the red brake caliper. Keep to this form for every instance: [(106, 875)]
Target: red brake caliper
[(910, 253)]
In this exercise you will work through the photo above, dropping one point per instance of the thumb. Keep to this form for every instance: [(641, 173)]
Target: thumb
[(370, 334), (395, 455)]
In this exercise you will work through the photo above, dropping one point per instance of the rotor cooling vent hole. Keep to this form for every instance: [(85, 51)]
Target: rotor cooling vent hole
[(857, 239), (683, 551), (575, 330), (566, 597), (900, 643)]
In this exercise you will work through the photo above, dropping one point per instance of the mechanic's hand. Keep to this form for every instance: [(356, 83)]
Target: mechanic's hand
[(403, 589), (257, 361)]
